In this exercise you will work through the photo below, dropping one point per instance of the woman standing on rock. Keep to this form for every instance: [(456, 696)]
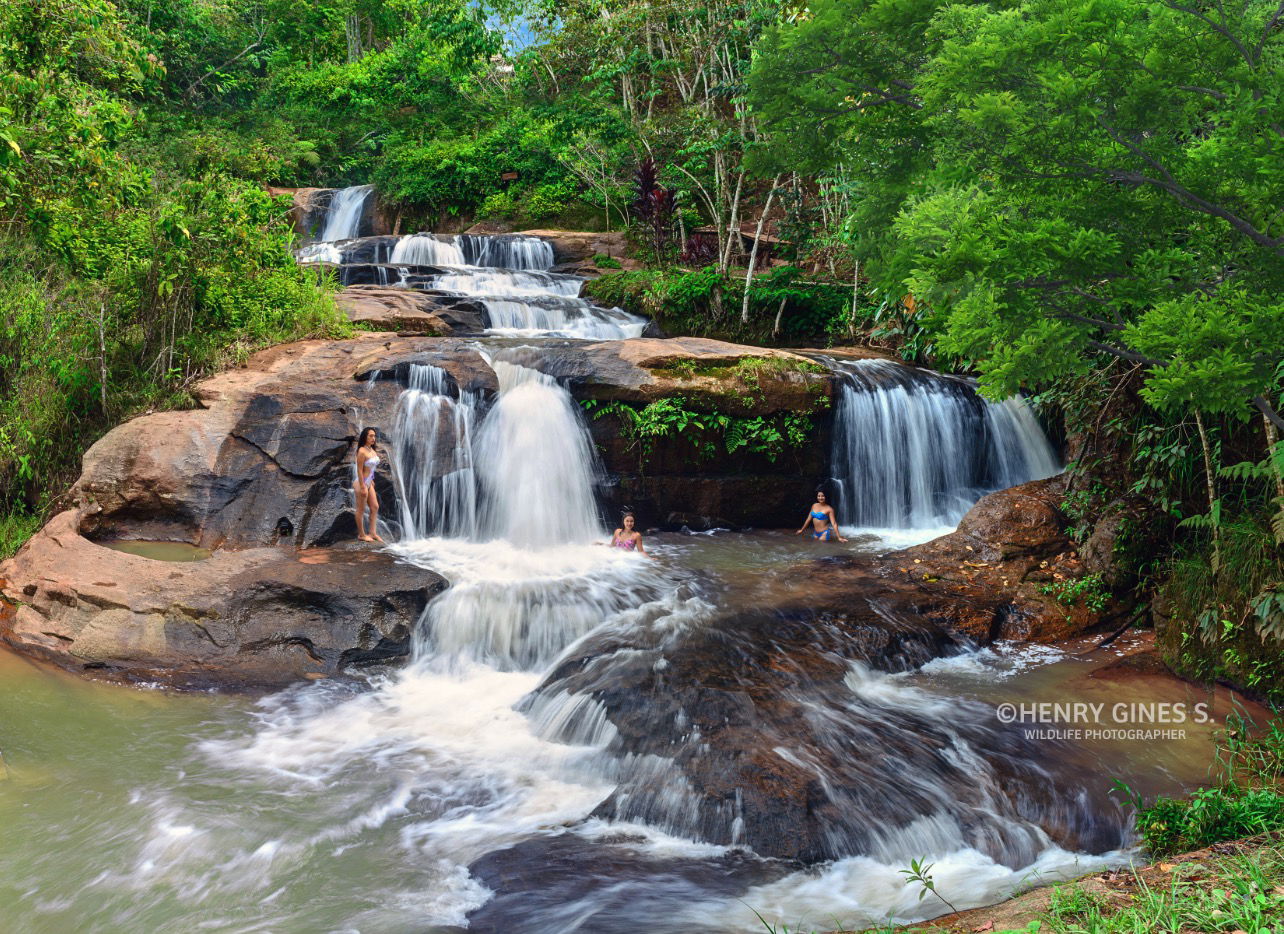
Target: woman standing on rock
[(367, 461)]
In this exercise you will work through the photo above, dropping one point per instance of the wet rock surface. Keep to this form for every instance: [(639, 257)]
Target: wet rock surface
[(383, 308), (266, 463), (781, 737), (259, 617)]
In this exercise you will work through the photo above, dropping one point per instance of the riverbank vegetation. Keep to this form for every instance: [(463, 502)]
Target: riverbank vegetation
[(1075, 201)]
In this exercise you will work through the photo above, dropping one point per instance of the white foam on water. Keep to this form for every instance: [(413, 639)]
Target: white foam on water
[(894, 539), (999, 661), (860, 892)]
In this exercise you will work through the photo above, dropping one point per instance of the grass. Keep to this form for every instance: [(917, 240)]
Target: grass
[(15, 529), (1246, 797), (1242, 892)]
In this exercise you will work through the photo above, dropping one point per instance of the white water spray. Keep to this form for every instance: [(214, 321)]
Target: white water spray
[(915, 450), (347, 209)]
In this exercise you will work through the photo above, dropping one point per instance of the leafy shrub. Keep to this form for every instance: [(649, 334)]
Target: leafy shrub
[(1247, 798), (708, 432)]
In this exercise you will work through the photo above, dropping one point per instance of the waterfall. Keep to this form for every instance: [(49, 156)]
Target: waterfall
[(525, 474), (537, 463), (506, 282), (505, 251), (510, 274), (914, 450), (428, 250), (432, 469), (347, 209)]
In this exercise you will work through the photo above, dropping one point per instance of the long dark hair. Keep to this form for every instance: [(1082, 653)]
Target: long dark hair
[(625, 513), (361, 439)]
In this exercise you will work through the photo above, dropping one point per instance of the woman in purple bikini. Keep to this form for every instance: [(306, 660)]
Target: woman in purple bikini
[(824, 524), (628, 537)]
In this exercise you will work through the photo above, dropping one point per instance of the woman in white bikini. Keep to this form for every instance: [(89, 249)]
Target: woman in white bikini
[(367, 461)]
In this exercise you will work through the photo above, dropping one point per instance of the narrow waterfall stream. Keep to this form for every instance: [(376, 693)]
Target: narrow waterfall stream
[(585, 740), (347, 210)]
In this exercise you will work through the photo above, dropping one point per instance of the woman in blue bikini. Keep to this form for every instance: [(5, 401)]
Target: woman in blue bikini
[(824, 524)]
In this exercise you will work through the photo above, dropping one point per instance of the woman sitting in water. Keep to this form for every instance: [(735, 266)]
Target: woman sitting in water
[(628, 537), (367, 461), (823, 521)]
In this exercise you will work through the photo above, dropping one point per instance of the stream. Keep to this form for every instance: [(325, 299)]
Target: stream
[(549, 759)]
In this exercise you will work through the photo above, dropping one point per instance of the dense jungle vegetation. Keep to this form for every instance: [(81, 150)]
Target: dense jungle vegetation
[(1080, 200)]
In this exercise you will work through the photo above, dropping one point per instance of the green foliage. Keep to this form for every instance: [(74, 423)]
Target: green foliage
[(705, 303), (603, 261), (15, 529), (1208, 816), (1088, 590), (1241, 892), (708, 433), (1058, 184), (920, 871), (122, 279), (1247, 797)]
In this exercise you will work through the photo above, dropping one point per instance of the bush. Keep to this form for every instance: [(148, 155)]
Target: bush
[(700, 302), (1246, 799)]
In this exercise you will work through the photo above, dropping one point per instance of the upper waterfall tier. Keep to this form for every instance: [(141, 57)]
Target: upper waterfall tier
[(346, 211), (914, 449), (509, 275)]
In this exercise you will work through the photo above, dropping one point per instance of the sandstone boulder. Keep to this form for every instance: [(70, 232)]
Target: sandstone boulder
[(259, 617)]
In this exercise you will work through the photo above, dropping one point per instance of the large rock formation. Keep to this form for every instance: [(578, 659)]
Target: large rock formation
[(408, 311), (261, 474), (257, 617)]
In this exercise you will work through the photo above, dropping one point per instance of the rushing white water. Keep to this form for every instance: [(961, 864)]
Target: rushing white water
[(915, 450), (508, 274), (537, 463), (506, 251), (525, 475), (432, 467), (347, 209), (507, 282), (428, 250), (540, 710)]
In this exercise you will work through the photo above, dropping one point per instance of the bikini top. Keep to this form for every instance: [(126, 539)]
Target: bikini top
[(372, 460), (630, 544), (819, 515)]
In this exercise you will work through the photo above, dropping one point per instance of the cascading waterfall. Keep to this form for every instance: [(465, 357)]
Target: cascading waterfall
[(537, 463), (915, 450), (347, 210), (535, 467), (432, 438), (502, 251)]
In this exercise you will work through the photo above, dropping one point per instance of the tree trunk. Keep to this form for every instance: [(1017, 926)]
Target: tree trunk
[(733, 228), (753, 254), (780, 312), (1211, 485), (851, 324), (102, 356), (1272, 441)]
